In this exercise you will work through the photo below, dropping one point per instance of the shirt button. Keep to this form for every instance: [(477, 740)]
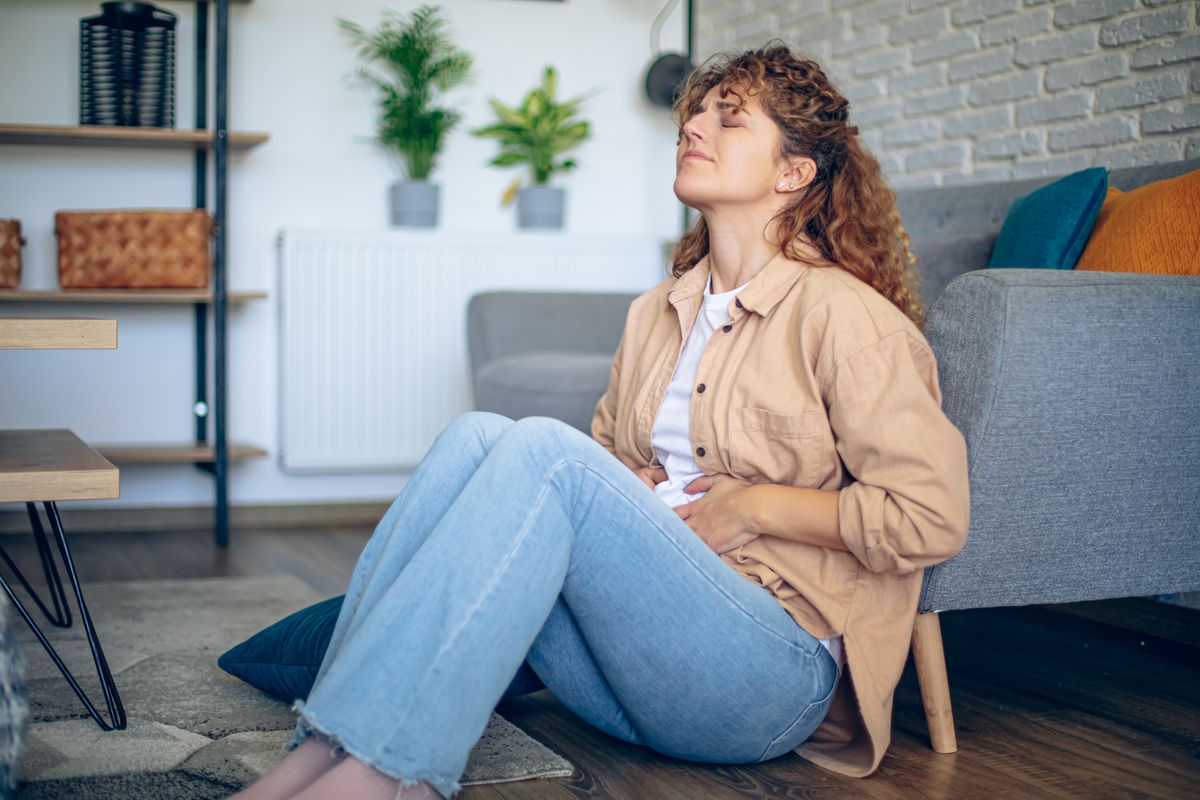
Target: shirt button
[(727, 328), (700, 388), (700, 451)]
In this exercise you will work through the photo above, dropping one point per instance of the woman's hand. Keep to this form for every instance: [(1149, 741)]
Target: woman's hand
[(651, 476), (723, 517)]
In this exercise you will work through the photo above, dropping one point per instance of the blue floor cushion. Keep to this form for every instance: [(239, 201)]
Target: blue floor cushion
[(283, 659)]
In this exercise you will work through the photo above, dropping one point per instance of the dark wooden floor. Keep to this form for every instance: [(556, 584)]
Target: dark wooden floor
[(1095, 700)]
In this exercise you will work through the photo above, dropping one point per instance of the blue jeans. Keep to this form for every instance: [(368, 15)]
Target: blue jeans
[(527, 545)]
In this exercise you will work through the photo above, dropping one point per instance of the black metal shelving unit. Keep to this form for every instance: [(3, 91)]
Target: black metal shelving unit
[(210, 418)]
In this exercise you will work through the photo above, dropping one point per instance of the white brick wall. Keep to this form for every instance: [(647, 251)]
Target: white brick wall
[(967, 91)]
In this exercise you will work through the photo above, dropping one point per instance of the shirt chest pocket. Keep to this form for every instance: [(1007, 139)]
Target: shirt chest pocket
[(777, 448)]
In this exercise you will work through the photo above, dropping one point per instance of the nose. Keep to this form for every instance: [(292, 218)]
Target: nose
[(691, 130)]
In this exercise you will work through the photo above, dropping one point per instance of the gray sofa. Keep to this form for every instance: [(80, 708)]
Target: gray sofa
[(1076, 392)]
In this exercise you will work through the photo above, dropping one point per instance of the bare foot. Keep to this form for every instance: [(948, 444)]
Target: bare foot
[(299, 768), (353, 778)]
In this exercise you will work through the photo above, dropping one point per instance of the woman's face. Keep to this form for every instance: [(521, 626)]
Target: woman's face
[(726, 156)]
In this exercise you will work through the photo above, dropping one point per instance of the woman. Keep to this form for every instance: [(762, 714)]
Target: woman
[(728, 569)]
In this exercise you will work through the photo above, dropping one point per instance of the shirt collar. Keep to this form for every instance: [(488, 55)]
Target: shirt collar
[(769, 286)]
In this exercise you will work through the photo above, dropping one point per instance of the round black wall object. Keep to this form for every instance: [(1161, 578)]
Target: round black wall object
[(665, 78)]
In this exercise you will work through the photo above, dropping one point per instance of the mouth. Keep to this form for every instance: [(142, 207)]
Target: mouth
[(694, 154)]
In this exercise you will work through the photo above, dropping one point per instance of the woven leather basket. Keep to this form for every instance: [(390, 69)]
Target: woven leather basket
[(133, 249), (10, 253)]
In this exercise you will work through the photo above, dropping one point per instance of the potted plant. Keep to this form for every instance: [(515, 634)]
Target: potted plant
[(418, 60), (536, 134)]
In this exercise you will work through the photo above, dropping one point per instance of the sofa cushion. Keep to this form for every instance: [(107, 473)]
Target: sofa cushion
[(1048, 228), (941, 260), (1152, 229), (562, 385)]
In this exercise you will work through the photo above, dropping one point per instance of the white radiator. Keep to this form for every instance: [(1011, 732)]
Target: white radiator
[(373, 348)]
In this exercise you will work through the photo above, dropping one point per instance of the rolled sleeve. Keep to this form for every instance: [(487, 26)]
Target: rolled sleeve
[(909, 504)]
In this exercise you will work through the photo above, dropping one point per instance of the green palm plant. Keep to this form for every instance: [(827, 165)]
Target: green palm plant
[(420, 60), (537, 132)]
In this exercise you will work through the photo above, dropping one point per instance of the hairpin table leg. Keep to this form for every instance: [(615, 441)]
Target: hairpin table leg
[(61, 616), (116, 711)]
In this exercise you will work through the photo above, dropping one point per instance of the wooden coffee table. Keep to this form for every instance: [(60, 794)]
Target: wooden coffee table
[(49, 465)]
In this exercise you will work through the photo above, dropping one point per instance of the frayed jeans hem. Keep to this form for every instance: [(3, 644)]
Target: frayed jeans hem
[(305, 727)]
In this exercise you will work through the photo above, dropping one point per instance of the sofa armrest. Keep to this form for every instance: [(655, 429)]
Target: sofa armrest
[(1077, 395)]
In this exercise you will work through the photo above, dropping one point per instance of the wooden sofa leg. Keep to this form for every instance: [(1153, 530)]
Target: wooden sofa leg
[(930, 662)]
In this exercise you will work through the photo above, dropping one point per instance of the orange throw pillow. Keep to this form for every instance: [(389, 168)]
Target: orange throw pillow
[(1154, 228)]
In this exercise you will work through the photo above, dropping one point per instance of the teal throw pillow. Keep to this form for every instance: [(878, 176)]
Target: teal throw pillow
[(283, 659), (1048, 228)]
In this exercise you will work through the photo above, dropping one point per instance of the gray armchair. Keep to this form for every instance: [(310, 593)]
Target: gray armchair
[(545, 354)]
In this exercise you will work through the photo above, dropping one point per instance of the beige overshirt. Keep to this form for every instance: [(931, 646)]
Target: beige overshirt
[(815, 380)]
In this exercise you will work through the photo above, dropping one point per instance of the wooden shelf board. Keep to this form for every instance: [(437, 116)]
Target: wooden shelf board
[(175, 453), (53, 464), (122, 136), (122, 296), (19, 333)]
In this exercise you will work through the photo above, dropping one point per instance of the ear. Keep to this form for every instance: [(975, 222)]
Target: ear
[(800, 174)]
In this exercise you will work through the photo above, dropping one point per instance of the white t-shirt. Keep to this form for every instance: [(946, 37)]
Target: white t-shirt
[(670, 437)]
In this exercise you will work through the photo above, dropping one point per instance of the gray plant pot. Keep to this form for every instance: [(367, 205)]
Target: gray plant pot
[(415, 204), (540, 207)]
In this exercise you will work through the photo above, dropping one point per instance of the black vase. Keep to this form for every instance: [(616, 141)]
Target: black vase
[(127, 66)]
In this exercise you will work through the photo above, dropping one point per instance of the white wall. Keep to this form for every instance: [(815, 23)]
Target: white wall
[(290, 66)]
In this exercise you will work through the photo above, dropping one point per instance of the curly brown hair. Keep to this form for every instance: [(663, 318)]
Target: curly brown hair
[(848, 212)]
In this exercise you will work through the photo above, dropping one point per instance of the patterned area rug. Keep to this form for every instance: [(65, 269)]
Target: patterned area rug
[(194, 731)]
